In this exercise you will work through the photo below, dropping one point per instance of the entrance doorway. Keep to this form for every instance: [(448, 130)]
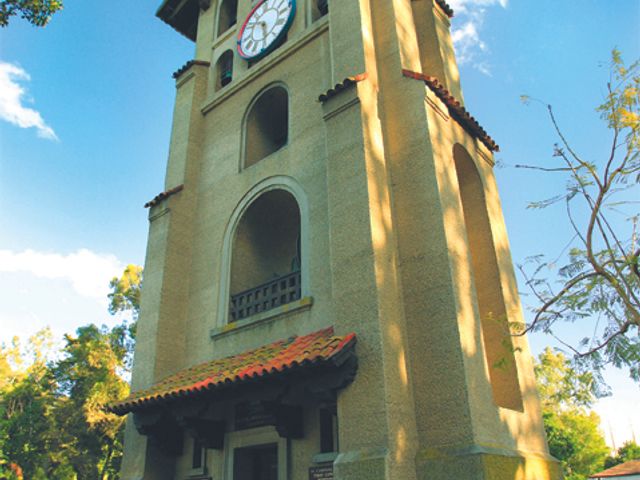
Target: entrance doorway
[(257, 462)]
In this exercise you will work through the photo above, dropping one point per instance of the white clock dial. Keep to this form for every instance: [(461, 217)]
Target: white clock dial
[(267, 23)]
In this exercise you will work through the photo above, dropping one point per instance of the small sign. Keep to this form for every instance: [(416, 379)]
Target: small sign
[(321, 472), (251, 415)]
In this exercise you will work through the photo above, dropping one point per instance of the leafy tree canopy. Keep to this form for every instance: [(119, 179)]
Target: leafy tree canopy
[(53, 425), (562, 386), (628, 451), (572, 431), (36, 12), (125, 291)]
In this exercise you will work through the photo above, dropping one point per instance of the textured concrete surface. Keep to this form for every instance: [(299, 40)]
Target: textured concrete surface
[(402, 242)]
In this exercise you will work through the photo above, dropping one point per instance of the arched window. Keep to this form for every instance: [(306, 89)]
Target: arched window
[(266, 256), (319, 8), (486, 276), (227, 15), (224, 69), (266, 125)]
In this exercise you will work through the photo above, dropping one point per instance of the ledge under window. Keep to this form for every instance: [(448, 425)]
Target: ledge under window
[(298, 305)]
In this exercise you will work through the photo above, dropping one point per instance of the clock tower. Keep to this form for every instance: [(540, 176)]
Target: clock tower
[(328, 286)]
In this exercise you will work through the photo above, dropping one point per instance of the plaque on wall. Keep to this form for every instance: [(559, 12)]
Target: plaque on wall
[(252, 414), (321, 472)]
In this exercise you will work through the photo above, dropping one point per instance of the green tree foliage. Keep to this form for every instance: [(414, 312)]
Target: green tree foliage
[(559, 384), (628, 451), (36, 12), (53, 424), (598, 286), (28, 400), (572, 430), (124, 298), (87, 379), (575, 439), (125, 291)]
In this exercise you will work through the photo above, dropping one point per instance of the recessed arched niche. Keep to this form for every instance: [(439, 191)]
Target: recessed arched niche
[(266, 126), (498, 345), (224, 69), (227, 15), (266, 255), (319, 8)]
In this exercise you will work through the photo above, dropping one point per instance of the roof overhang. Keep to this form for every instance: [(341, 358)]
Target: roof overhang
[(182, 15), (281, 377), (298, 359)]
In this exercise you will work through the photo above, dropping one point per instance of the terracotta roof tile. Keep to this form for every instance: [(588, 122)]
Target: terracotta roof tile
[(321, 347), (187, 66), (339, 87), (161, 196), (445, 7), (456, 110), (631, 467)]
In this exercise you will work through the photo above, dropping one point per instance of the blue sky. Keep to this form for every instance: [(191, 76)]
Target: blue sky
[(85, 116)]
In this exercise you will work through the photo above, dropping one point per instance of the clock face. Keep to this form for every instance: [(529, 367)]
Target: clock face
[(265, 26)]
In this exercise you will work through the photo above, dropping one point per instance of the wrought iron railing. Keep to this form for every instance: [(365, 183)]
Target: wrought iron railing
[(279, 291)]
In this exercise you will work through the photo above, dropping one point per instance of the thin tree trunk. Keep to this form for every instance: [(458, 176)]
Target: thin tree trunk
[(106, 461)]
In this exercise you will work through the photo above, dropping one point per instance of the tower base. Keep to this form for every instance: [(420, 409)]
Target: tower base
[(473, 462), (477, 462)]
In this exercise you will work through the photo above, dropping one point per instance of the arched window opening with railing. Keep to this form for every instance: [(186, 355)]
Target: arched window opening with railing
[(266, 125), (266, 256), (227, 15), (498, 346), (224, 69)]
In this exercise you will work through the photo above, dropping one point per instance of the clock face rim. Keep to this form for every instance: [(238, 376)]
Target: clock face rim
[(274, 42)]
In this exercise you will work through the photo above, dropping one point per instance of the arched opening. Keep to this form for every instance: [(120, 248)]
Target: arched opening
[(266, 256), (319, 8), (227, 15), (267, 125), (224, 69), (486, 276)]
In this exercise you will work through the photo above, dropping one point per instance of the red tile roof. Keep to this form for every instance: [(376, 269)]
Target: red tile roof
[(318, 348), (631, 467), (347, 82), (188, 65), (445, 7), (456, 110), (161, 196)]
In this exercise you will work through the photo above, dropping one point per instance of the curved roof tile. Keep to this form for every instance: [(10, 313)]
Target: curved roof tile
[(321, 347)]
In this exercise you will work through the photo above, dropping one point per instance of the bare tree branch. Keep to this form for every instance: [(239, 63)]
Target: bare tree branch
[(600, 280)]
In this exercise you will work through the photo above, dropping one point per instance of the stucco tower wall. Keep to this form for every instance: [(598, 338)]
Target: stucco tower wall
[(437, 334), (160, 346), (377, 418)]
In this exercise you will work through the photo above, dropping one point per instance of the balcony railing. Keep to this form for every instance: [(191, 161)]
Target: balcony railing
[(279, 291)]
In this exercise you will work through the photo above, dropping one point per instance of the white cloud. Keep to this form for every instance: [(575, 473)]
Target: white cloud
[(12, 95), (466, 31), (464, 6), (88, 273)]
